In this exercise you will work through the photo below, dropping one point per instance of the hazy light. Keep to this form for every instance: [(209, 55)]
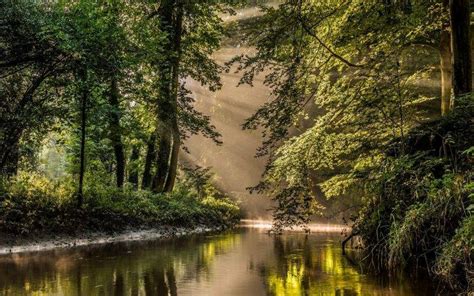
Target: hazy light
[(314, 227)]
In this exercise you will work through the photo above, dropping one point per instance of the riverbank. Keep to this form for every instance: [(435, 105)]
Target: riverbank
[(38, 214), (10, 244)]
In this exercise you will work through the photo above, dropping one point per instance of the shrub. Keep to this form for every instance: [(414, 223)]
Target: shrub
[(420, 204), (32, 203)]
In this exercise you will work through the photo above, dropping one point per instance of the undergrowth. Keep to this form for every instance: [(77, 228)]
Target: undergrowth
[(420, 209), (31, 204)]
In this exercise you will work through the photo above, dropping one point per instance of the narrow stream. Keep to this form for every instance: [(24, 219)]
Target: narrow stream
[(246, 261)]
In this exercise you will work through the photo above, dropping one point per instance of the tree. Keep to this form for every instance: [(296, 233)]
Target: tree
[(166, 112), (150, 154), (106, 78), (461, 46), (446, 69), (30, 59), (133, 166), (84, 98), (353, 62), (193, 32), (115, 131)]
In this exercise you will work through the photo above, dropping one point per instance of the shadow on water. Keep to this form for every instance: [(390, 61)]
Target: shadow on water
[(246, 261)]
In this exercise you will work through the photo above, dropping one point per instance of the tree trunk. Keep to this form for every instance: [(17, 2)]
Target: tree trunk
[(150, 155), (133, 166), (12, 128), (173, 167), (171, 16), (461, 47), (84, 98), (162, 161), (446, 68), (10, 154), (11, 166), (115, 132)]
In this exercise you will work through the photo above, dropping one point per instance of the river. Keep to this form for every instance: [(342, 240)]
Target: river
[(245, 261)]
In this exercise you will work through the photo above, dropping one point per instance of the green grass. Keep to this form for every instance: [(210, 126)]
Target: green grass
[(420, 211)]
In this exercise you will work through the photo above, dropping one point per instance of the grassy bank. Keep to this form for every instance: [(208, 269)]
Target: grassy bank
[(31, 204), (420, 212)]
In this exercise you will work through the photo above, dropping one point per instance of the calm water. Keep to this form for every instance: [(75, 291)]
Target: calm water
[(246, 261)]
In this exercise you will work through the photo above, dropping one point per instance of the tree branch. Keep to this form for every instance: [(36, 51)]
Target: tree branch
[(332, 52)]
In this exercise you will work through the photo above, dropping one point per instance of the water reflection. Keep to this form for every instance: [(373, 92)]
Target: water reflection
[(244, 262), (304, 267)]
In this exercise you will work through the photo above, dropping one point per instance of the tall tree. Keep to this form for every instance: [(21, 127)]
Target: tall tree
[(84, 98), (446, 66), (133, 166), (193, 31), (149, 157), (29, 58), (353, 62), (115, 132), (115, 42), (166, 95), (178, 31)]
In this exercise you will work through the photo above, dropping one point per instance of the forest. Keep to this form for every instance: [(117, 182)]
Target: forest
[(366, 120)]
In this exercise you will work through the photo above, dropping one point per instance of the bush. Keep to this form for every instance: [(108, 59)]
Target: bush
[(419, 211), (33, 204), (455, 264)]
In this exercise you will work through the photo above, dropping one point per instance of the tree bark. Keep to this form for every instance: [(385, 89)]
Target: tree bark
[(133, 166), (115, 132), (162, 160), (150, 155), (173, 166), (446, 68), (461, 47), (171, 19)]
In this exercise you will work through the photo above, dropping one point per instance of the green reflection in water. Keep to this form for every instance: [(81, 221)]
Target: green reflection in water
[(244, 263), (148, 268), (306, 268)]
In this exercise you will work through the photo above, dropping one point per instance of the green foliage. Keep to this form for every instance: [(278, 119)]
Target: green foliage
[(349, 117), (350, 66), (200, 179), (419, 205), (455, 263), (57, 54), (34, 204)]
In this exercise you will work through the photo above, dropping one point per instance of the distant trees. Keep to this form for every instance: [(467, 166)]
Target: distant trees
[(107, 79), (30, 59)]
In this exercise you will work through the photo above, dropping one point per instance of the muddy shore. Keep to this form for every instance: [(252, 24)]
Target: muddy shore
[(10, 244)]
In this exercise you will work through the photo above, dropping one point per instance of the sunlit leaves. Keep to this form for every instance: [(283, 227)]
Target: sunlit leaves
[(352, 62)]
